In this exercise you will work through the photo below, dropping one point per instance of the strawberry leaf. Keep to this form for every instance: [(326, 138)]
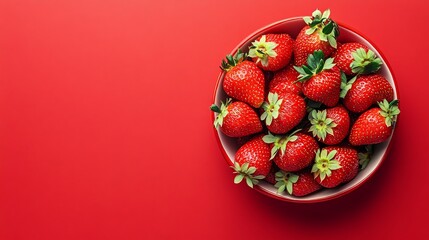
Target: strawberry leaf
[(320, 124), (315, 65), (328, 28), (365, 62), (389, 111), (324, 164), (285, 180), (222, 112), (238, 179), (346, 85), (271, 108)]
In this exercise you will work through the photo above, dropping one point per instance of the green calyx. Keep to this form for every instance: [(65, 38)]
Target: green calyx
[(365, 62), (364, 157), (279, 142), (285, 180), (246, 172), (327, 29), (221, 112), (389, 111), (262, 50), (324, 164), (320, 124), (316, 63), (346, 84), (232, 61), (271, 108)]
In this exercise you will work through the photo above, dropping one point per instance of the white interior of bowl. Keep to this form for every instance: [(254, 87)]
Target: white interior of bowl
[(292, 27)]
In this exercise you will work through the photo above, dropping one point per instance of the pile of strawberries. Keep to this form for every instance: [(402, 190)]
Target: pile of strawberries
[(308, 109)]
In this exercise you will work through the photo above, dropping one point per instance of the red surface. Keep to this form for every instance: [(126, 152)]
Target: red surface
[(105, 130)]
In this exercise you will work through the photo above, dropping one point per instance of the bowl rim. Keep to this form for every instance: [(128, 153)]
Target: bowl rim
[(334, 195)]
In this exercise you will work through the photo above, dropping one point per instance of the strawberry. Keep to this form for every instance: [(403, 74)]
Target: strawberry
[(297, 150), (321, 79), (320, 34), (356, 58), (365, 90), (243, 80), (375, 125), (353, 173), (285, 81), (272, 52), (331, 125), (283, 112), (236, 119), (297, 184), (252, 162), (334, 165)]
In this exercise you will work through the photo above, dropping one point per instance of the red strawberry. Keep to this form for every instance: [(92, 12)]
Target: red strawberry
[(331, 125), (283, 112), (243, 80), (236, 119), (297, 150), (365, 90), (356, 58), (353, 173), (252, 162), (334, 165), (285, 80), (375, 125), (272, 52), (297, 184), (320, 34), (322, 79)]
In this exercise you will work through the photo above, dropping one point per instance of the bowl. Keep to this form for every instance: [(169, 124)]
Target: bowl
[(229, 146)]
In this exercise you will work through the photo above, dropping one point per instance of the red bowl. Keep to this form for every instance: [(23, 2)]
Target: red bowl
[(228, 146)]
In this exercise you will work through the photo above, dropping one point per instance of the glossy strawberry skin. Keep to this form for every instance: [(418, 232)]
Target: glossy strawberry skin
[(245, 82), (324, 87), (305, 184), (241, 120), (284, 51), (366, 91), (340, 116), (343, 56), (307, 44), (369, 128), (354, 172), (348, 160), (257, 153), (299, 154), (291, 112), (285, 81)]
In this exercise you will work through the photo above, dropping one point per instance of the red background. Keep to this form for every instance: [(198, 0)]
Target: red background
[(105, 130)]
